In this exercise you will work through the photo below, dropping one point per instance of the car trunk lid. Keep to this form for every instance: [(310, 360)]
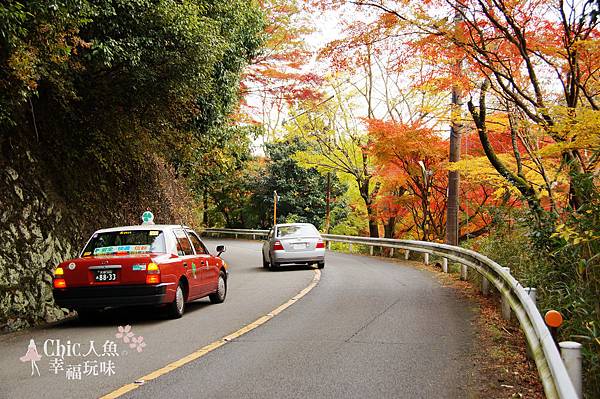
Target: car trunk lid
[(299, 244), (106, 270)]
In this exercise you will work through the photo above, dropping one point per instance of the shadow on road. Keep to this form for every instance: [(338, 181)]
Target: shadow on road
[(124, 316), (289, 268)]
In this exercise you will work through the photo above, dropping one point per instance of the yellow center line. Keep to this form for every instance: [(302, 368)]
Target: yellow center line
[(216, 344)]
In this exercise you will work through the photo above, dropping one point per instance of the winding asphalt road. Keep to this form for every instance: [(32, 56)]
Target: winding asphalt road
[(370, 328)]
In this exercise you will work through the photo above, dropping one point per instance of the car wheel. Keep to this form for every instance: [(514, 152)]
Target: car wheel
[(273, 266), (176, 308), (321, 265), (221, 293), (265, 263)]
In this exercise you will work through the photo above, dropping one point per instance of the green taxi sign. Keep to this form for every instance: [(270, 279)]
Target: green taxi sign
[(147, 218)]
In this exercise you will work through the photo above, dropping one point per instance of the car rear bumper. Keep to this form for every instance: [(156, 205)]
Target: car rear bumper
[(110, 296), (299, 257)]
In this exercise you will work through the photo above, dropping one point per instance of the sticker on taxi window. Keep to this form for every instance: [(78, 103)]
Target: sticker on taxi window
[(87, 253), (132, 249), (154, 233), (124, 232)]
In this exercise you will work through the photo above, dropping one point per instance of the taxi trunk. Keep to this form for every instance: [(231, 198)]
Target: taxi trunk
[(107, 270)]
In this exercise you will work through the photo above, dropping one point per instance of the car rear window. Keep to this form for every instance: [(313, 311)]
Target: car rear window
[(126, 242), (301, 230)]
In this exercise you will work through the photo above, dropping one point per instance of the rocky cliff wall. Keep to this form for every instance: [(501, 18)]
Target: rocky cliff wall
[(42, 223), (35, 237)]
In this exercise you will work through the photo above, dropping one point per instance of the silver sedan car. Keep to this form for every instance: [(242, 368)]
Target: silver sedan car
[(294, 243)]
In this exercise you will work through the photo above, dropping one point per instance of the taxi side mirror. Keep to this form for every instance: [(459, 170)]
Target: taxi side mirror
[(220, 249)]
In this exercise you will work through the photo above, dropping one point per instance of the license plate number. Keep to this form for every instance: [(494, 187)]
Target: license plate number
[(105, 275), (299, 246)]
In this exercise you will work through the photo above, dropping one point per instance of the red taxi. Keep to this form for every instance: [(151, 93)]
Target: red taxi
[(149, 264)]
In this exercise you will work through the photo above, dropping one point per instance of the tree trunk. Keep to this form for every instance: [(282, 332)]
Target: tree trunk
[(363, 188), (373, 226), (390, 227)]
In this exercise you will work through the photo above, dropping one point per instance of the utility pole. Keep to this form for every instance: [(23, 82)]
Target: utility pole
[(456, 127), (275, 197), (425, 201), (328, 204)]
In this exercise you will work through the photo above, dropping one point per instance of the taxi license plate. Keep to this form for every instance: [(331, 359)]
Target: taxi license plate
[(299, 246), (103, 276)]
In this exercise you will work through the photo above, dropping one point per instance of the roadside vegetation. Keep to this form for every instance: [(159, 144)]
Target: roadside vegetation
[(201, 110)]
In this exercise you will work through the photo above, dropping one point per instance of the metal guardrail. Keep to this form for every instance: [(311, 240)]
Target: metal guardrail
[(551, 369)]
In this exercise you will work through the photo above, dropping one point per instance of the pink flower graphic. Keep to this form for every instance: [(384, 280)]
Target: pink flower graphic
[(124, 333), (137, 343)]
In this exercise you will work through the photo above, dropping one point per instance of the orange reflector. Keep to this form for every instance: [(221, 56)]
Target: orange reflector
[(59, 283), (59, 271), (152, 267), (152, 278), (553, 318)]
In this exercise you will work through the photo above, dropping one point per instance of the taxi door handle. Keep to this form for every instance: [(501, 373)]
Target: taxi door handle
[(185, 265)]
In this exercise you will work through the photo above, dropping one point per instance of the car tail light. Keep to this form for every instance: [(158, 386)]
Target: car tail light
[(277, 246), (320, 244), (59, 283), (152, 273)]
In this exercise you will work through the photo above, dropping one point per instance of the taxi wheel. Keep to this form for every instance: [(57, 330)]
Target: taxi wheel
[(176, 308), (221, 293), (321, 265), (273, 265), (265, 263)]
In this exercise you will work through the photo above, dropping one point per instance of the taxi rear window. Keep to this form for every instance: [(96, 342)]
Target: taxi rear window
[(126, 242)]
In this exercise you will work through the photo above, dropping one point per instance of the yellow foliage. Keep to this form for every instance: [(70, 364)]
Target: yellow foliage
[(580, 129)]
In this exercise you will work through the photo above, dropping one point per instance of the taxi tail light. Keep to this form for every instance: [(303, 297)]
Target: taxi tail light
[(320, 244), (152, 273), (277, 246), (59, 283)]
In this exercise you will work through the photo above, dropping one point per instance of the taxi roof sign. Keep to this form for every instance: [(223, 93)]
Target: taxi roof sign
[(147, 218)]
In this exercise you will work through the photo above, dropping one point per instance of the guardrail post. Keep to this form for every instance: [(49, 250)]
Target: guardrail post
[(236, 236), (329, 245), (371, 250), (463, 272), (350, 247), (406, 254), (254, 236), (391, 252), (571, 355), (485, 286), (505, 303), (445, 265), (426, 258)]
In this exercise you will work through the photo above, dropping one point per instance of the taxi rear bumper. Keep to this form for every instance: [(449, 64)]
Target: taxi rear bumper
[(112, 296)]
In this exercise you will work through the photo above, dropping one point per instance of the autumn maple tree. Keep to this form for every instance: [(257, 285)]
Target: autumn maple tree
[(277, 77)]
